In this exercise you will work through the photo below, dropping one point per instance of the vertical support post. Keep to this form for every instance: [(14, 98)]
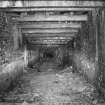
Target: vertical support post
[(20, 37), (97, 34), (25, 56), (101, 56), (99, 29), (95, 16), (15, 37)]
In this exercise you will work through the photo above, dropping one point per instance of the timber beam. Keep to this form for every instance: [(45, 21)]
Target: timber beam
[(46, 45), (48, 31), (51, 3), (48, 26), (33, 35), (53, 18), (46, 9), (49, 42), (48, 38)]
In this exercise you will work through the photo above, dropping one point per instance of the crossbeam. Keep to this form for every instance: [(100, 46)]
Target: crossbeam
[(33, 35), (46, 45), (52, 18), (57, 25), (49, 42), (51, 3), (48, 31), (47, 9), (48, 38)]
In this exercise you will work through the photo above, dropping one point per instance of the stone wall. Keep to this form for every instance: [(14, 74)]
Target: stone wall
[(85, 66), (85, 53), (89, 59), (7, 51), (10, 74)]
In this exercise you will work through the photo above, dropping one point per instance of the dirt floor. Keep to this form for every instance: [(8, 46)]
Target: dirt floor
[(52, 88)]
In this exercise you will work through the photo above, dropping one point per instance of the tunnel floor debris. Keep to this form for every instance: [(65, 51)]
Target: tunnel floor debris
[(52, 88)]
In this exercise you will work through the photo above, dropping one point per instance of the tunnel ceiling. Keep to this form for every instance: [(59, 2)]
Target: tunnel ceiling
[(49, 22)]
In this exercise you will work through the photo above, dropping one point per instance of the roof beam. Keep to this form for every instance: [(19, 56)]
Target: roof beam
[(47, 23), (40, 9), (49, 38), (46, 45), (52, 18), (46, 31), (32, 35), (64, 3), (50, 42), (57, 25), (51, 3)]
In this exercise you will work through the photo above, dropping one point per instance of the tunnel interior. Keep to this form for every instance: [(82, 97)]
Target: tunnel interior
[(40, 41), (48, 55)]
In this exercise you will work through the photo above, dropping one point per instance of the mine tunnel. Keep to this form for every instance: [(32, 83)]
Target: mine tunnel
[(52, 52)]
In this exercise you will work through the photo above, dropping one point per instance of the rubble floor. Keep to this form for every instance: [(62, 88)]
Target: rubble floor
[(52, 88)]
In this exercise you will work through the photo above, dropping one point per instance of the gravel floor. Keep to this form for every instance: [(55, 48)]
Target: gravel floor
[(50, 88)]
